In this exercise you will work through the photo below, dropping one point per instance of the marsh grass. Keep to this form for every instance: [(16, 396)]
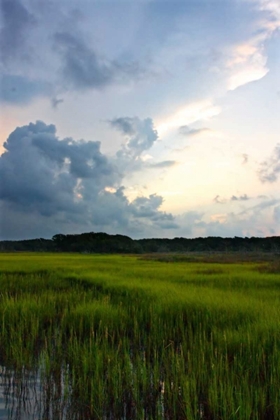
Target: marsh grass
[(121, 338)]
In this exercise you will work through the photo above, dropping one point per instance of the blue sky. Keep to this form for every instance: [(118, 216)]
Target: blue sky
[(146, 118)]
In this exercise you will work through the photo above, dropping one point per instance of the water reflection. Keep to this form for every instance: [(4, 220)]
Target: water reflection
[(34, 395), (25, 395), (19, 392)]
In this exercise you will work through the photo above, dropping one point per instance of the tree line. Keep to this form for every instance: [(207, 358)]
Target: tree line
[(104, 243)]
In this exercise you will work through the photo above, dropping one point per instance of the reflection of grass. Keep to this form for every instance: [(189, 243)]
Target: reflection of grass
[(141, 339)]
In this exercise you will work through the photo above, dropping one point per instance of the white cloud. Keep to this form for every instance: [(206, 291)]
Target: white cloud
[(272, 6), (247, 63), (186, 115), (248, 60), (221, 218)]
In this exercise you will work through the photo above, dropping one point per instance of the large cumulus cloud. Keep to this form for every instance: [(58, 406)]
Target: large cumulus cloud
[(67, 185)]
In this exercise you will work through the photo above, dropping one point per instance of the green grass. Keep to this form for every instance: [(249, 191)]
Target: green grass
[(123, 338)]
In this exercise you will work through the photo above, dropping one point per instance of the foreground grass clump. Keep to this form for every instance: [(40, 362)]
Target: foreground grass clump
[(115, 337)]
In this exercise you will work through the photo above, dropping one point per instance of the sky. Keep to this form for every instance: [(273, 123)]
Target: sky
[(147, 118)]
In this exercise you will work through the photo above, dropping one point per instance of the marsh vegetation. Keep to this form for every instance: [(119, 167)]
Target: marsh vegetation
[(116, 337)]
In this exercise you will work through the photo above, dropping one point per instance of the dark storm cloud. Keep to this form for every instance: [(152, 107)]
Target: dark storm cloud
[(16, 21), (40, 172), (34, 170), (18, 90), (185, 130), (67, 186), (269, 169), (85, 158)]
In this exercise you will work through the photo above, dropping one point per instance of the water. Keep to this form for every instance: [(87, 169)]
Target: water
[(30, 395), (19, 394), (24, 395)]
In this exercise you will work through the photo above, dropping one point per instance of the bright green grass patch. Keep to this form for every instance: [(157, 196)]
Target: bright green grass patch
[(119, 337)]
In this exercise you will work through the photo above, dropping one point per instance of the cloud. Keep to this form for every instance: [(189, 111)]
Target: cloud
[(266, 204), (270, 168), (147, 207), (185, 130), (163, 164), (68, 186), (56, 101), (243, 197), (20, 90), (247, 64), (40, 172), (50, 185), (140, 135), (276, 214), (190, 223), (16, 22), (245, 158), (219, 200), (125, 125), (184, 116), (83, 68), (273, 7), (258, 220), (247, 61)]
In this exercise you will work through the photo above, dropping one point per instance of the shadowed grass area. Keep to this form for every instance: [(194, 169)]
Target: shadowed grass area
[(115, 337)]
